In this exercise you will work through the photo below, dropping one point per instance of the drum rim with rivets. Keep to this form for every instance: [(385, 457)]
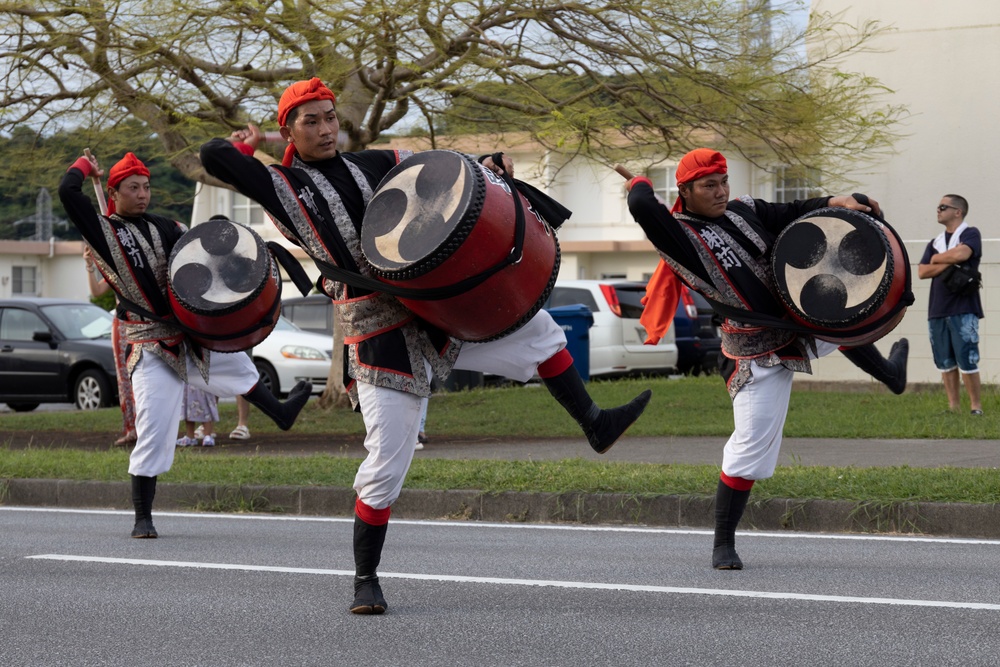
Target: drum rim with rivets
[(477, 223), (227, 326), (886, 290)]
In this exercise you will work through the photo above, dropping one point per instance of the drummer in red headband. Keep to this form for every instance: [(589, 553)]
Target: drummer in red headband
[(722, 249), (317, 198), (131, 246)]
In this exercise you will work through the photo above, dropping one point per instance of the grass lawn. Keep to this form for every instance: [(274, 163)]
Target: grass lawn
[(680, 407)]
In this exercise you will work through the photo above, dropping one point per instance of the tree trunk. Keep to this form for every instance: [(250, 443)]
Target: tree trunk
[(334, 396)]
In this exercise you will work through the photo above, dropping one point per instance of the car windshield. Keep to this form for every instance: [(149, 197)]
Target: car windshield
[(284, 324), (80, 321)]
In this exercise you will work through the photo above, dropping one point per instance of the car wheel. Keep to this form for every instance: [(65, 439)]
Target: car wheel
[(92, 390), (268, 376), (22, 407)]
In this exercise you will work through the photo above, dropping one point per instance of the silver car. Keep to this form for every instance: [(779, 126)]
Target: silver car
[(616, 337)]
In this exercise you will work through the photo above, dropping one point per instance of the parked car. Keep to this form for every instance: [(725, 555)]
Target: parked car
[(315, 313), (310, 313), (56, 351), (696, 328), (616, 337), (290, 354)]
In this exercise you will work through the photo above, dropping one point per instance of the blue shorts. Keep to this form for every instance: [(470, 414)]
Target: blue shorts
[(955, 342)]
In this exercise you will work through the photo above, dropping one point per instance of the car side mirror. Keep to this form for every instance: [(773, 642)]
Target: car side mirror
[(42, 336)]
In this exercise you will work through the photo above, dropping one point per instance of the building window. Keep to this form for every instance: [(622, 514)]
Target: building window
[(664, 184), (796, 183), (246, 211), (25, 281)]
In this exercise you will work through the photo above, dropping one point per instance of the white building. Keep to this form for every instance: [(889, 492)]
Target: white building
[(942, 61), (43, 268)]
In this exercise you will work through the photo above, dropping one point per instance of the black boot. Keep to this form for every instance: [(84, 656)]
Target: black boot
[(729, 507), (368, 541), (143, 490), (891, 372), (602, 427), (283, 414)]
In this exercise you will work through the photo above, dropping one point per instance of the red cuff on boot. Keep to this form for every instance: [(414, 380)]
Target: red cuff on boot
[(370, 515), (738, 483), (556, 364)]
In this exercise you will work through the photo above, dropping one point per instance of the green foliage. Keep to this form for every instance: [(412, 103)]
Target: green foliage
[(646, 79), (106, 301), (35, 161)]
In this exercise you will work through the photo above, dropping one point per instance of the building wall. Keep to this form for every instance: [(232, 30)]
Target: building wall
[(940, 61), (59, 268)]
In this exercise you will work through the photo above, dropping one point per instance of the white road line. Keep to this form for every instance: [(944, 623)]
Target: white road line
[(528, 526), (580, 585)]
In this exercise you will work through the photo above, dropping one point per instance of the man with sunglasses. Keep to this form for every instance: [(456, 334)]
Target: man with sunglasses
[(953, 317)]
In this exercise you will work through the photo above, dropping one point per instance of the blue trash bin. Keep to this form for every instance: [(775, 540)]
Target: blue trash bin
[(576, 321)]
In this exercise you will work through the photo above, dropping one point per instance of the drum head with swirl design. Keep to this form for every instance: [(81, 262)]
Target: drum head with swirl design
[(217, 267), (833, 267), (421, 212)]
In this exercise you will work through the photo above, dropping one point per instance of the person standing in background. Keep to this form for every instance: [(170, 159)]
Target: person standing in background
[(202, 408), (953, 317), (242, 430)]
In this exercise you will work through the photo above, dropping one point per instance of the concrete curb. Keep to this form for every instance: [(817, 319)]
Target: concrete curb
[(932, 519)]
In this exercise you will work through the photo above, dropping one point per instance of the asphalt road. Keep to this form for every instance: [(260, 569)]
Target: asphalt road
[(271, 590)]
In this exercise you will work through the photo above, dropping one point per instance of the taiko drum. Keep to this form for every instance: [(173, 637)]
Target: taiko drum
[(842, 273), (438, 219), (224, 286)]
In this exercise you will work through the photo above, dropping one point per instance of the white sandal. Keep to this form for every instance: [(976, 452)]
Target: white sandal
[(240, 433)]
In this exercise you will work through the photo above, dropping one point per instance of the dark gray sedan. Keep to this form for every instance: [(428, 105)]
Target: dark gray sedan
[(55, 351)]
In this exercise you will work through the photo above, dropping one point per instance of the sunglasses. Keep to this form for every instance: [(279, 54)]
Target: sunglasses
[(945, 207)]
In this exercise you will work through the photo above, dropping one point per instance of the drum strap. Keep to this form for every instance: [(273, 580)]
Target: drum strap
[(295, 271), (765, 320), (335, 273), (267, 320)]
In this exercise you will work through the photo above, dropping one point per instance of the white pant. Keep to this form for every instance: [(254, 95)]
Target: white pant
[(159, 394), (392, 417), (759, 412)]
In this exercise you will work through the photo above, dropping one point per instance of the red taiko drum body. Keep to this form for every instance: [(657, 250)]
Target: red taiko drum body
[(439, 218), (842, 273), (224, 284)]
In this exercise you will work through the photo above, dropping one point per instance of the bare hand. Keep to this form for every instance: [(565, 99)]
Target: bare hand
[(251, 136), (506, 167), (95, 170), (847, 201)]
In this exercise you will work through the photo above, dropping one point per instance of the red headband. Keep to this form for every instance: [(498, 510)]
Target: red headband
[(696, 164), (295, 95), (301, 92), (127, 166)]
